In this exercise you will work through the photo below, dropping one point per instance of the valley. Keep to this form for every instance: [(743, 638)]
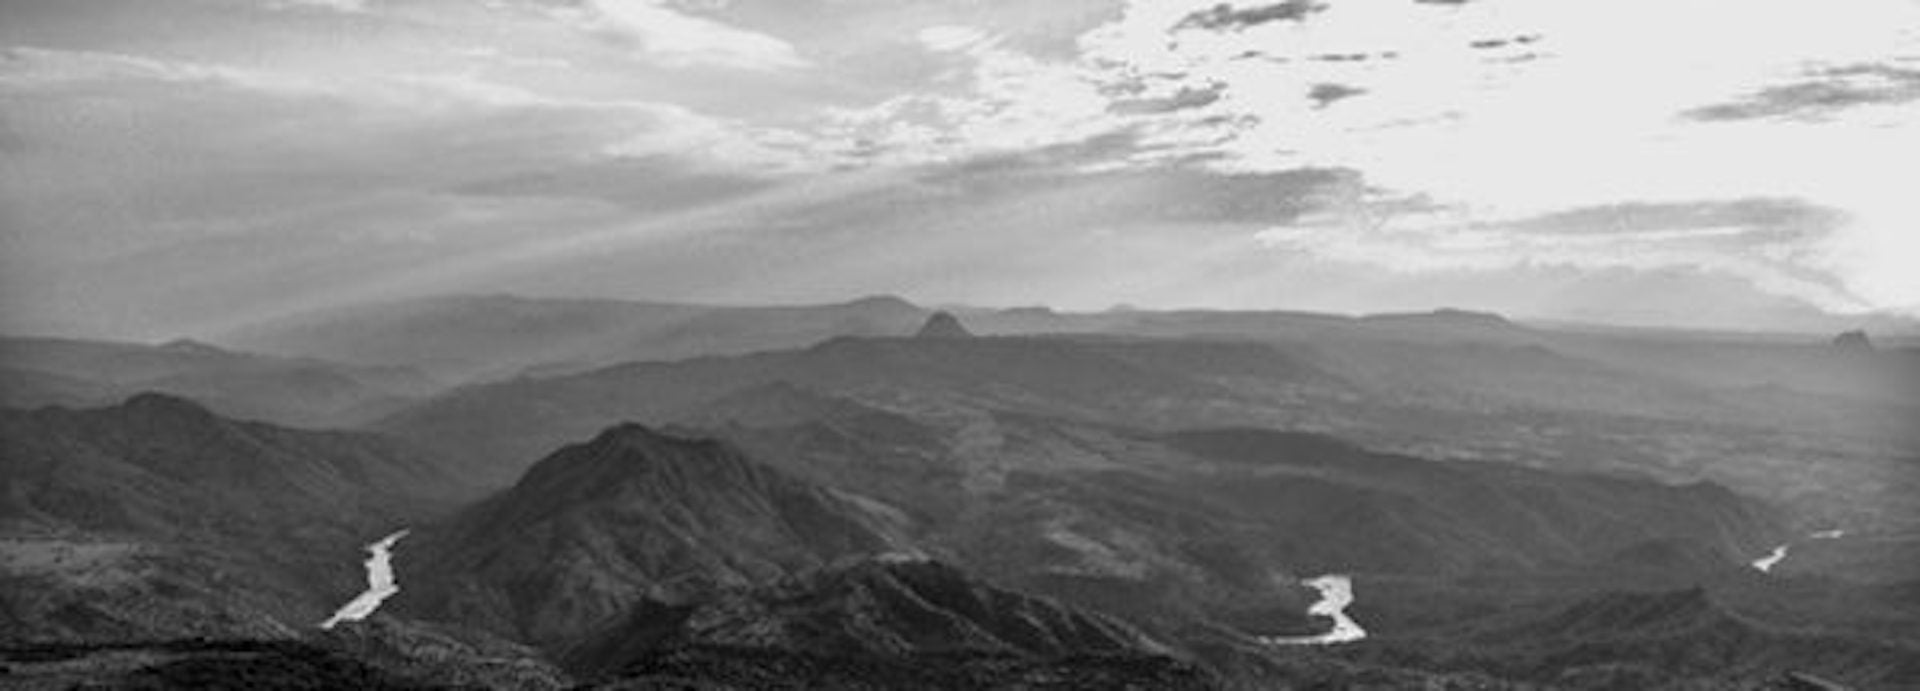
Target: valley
[(993, 500), (959, 345)]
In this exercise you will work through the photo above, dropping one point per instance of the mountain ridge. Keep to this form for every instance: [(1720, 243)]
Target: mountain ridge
[(639, 514)]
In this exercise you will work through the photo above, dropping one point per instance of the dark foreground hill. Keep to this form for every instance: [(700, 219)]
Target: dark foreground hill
[(878, 606), (157, 517), (632, 514), (888, 622), (221, 665), (1651, 640)]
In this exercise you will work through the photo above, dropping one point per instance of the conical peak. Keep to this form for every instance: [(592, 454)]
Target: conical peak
[(943, 325)]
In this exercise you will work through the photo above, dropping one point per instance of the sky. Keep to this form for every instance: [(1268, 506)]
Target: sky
[(185, 167)]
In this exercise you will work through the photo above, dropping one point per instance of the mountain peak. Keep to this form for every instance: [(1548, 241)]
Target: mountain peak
[(1445, 316), (636, 436), (635, 513), (150, 403), (1854, 341), (188, 345), (943, 325), (881, 301)]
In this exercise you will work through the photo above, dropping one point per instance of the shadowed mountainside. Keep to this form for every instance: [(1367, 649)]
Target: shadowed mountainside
[(134, 520), (889, 611), (1649, 639), (596, 527)]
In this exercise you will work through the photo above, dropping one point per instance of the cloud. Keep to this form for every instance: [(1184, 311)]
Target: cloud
[(1492, 136), (622, 128), (1000, 100), (1762, 218), (673, 38), (1829, 91), (348, 6), (1183, 98), (1765, 242), (949, 38), (24, 67), (1326, 93), (129, 170), (1225, 16)]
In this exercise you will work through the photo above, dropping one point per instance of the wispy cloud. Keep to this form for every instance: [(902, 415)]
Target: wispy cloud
[(627, 127), (24, 67), (1823, 93), (1764, 242), (1226, 16), (658, 32), (330, 5)]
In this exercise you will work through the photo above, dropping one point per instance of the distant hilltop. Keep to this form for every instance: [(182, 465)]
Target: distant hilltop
[(943, 325), (1854, 341)]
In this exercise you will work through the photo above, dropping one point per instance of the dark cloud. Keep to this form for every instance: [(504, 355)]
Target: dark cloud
[(1325, 94), (1349, 57), (1826, 92), (1224, 16), (1504, 41), (1187, 97)]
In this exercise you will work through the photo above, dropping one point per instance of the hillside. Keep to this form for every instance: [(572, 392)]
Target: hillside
[(131, 520), (632, 514), (903, 617)]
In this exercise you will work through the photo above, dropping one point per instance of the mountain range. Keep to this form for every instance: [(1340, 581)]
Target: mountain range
[(878, 495), (287, 390)]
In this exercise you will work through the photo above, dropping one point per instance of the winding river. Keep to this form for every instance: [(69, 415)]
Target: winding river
[(1765, 564), (380, 583), (1336, 593)]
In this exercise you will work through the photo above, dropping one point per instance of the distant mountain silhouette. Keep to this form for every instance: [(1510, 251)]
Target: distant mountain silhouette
[(293, 391), (1855, 341), (1445, 317), (477, 337), (503, 426), (942, 325)]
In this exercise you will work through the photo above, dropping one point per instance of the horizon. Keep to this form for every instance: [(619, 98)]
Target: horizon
[(194, 166), (1884, 329)]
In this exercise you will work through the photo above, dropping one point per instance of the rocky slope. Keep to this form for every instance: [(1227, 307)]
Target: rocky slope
[(1651, 639), (883, 621)]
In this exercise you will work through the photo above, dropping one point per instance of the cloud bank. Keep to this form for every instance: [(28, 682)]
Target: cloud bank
[(230, 160)]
